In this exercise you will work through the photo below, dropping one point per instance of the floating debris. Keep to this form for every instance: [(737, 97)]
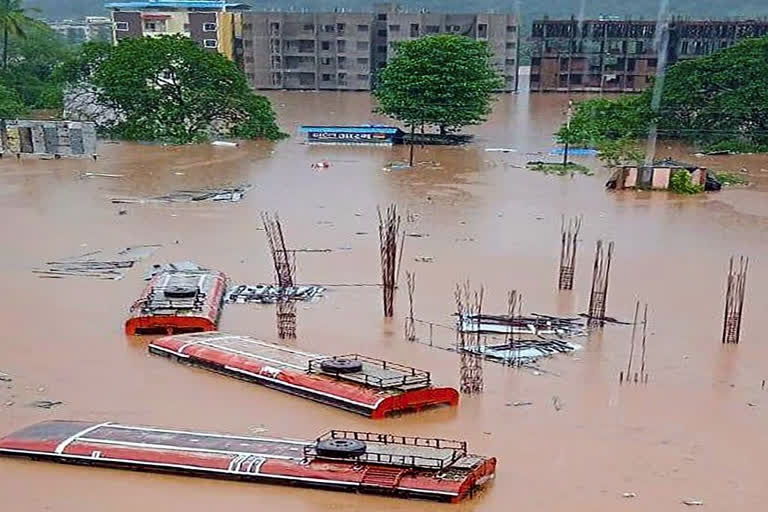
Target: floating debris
[(97, 264), (178, 266), (231, 194), (270, 294), (630, 495), (500, 150), (535, 324), (521, 404), (4, 377), (693, 503), (424, 259), (99, 175), (224, 143), (521, 352), (46, 404)]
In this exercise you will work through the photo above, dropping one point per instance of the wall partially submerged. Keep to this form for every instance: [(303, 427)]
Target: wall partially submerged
[(48, 138)]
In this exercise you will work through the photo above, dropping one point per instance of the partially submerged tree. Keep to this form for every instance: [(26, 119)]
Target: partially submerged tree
[(445, 81), (718, 99), (169, 89), (614, 153)]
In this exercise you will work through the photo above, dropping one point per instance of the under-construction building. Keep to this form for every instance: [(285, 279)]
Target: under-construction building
[(622, 55), (342, 50)]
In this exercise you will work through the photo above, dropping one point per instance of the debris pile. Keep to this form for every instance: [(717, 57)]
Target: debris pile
[(270, 294), (232, 194), (535, 324), (521, 352), (97, 264)]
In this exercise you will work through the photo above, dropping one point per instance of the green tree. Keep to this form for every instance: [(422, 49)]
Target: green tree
[(614, 153), (445, 81), (170, 89), (14, 21), (10, 103), (718, 99), (30, 72)]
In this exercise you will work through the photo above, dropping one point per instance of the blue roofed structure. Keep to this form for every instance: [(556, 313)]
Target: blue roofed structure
[(361, 134)]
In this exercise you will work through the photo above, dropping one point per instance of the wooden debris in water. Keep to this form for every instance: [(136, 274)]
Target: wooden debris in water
[(734, 300), (642, 376)]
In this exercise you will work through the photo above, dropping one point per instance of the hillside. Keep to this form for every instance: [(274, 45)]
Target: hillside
[(529, 9)]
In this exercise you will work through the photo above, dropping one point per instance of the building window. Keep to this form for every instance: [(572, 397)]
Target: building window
[(329, 28), (325, 45), (249, 59), (414, 30), (509, 62), (432, 29), (342, 62), (362, 46), (382, 17), (510, 45), (482, 30), (121, 26), (382, 33), (340, 28), (186, 27), (325, 61), (272, 26), (362, 28), (362, 61), (394, 28), (511, 28), (652, 63), (453, 28), (362, 77), (210, 43), (341, 46), (309, 27), (326, 78), (381, 49), (209, 27), (247, 43)]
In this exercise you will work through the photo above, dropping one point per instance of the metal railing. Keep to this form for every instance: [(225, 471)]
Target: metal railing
[(409, 376), (372, 456)]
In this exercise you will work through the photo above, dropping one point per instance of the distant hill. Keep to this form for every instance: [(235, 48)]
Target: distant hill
[(529, 9)]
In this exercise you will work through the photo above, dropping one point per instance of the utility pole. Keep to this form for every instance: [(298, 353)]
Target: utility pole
[(410, 150), (568, 126)]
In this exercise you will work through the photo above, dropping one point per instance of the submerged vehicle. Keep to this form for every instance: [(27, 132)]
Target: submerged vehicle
[(179, 300), (364, 385), (365, 462)]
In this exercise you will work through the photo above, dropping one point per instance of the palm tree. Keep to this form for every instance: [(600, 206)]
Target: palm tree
[(14, 20)]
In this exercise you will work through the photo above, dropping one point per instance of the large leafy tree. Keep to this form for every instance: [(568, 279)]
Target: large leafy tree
[(170, 89), (14, 21), (714, 99), (445, 81)]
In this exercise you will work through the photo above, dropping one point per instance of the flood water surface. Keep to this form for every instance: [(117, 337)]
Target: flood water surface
[(695, 431)]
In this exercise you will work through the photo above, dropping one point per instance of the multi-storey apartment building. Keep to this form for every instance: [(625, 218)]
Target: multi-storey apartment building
[(343, 50), (213, 24), (93, 28), (622, 55)]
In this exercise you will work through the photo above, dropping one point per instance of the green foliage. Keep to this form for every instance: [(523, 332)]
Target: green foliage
[(15, 20), (445, 81), (624, 151), (11, 105), (714, 99), (598, 119), (680, 183), (31, 68), (731, 178), (559, 168), (169, 89)]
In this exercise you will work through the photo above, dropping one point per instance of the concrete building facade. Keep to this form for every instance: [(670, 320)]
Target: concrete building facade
[(93, 28), (344, 50), (215, 25), (611, 55)]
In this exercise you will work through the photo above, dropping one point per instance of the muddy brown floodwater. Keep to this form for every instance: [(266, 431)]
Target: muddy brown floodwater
[(696, 431)]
